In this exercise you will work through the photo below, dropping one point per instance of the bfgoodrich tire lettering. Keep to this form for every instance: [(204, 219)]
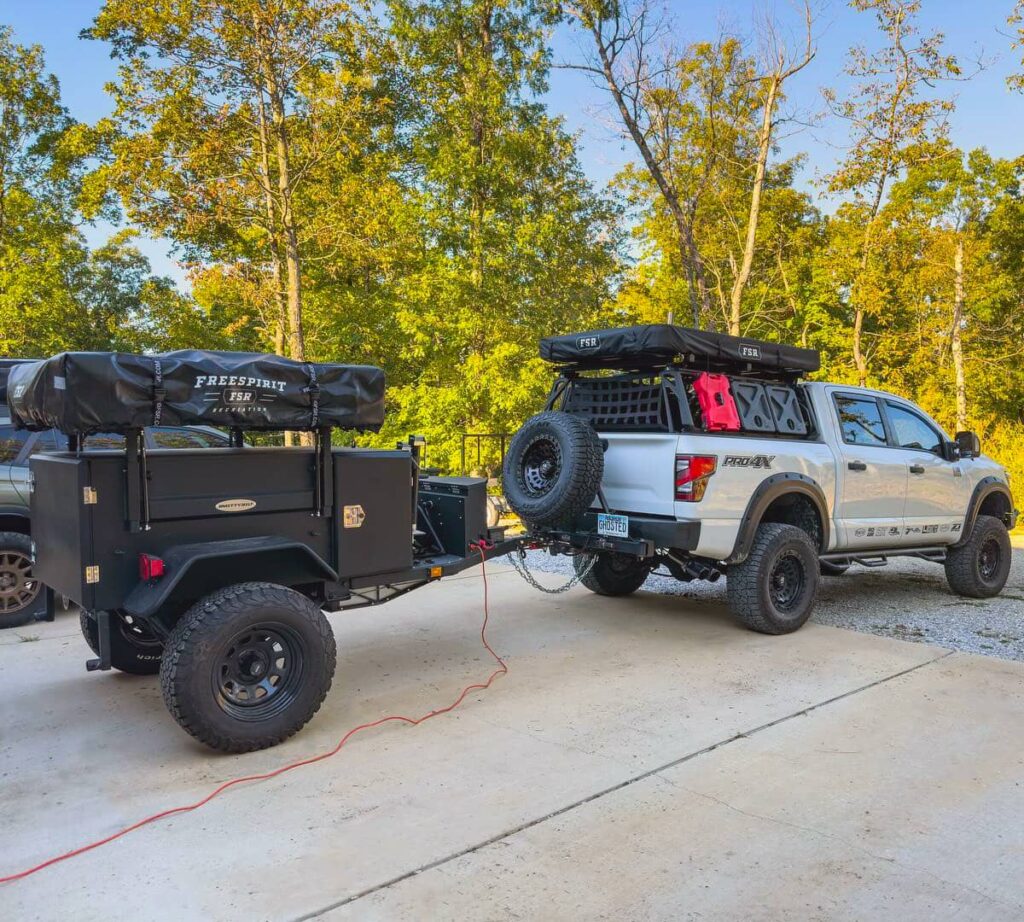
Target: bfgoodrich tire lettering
[(553, 469), (773, 590), (133, 649), (980, 567), (613, 574), (248, 666)]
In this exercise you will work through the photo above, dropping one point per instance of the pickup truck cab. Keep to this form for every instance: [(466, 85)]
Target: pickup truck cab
[(715, 458)]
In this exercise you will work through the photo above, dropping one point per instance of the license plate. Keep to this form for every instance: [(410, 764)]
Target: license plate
[(612, 526)]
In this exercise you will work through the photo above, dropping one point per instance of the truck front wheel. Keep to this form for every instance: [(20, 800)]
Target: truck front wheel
[(613, 574), (133, 648), (773, 590), (980, 567), (248, 666)]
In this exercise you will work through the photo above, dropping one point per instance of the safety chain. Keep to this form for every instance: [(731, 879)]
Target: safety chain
[(523, 569)]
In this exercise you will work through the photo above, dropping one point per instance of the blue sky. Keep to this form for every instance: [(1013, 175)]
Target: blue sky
[(987, 113)]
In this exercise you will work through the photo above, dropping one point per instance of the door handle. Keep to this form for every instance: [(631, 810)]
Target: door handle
[(916, 469), (857, 466)]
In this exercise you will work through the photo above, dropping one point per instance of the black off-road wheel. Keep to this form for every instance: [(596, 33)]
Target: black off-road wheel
[(553, 469), (248, 666), (18, 590), (133, 647), (980, 567), (773, 590), (613, 574)]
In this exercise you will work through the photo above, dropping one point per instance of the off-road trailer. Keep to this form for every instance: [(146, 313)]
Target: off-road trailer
[(214, 567)]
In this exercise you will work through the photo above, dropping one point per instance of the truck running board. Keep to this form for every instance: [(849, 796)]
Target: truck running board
[(881, 557)]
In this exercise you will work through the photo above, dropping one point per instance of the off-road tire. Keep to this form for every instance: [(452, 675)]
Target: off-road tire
[(757, 598), (553, 469), (613, 574), (19, 547), (205, 651), (132, 648), (980, 567)]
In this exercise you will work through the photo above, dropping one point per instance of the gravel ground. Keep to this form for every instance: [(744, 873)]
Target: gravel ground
[(907, 599)]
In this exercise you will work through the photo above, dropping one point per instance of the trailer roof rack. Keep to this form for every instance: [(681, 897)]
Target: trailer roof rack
[(660, 344)]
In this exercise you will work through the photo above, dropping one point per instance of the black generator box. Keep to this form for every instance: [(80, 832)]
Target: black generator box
[(458, 509)]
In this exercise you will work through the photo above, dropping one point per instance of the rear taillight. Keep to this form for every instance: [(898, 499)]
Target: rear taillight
[(692, 475), (150, 567)]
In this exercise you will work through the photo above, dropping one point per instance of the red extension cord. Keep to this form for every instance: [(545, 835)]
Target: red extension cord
[(415, 721)]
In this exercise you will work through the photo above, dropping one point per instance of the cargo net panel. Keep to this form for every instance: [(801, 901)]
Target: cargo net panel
[(625, 402)]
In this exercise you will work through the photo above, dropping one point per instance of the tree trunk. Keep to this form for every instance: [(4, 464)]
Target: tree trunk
[(764, 143), (281, 307), (956, 337)]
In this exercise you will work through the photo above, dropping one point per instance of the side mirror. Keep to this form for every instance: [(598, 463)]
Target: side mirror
[(969, 444)]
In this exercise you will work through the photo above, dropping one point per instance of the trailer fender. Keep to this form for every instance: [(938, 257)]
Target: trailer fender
[(194, 570)]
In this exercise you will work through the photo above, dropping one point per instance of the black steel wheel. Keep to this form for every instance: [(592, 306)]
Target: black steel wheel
[(248, 666), (773, 590), (980, 567), (18, 590), (134, 648), (553, 469)]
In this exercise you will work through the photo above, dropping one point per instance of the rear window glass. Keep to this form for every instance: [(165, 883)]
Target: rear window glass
[(168, 437), (104, 440), (11, 442), (861, 421)]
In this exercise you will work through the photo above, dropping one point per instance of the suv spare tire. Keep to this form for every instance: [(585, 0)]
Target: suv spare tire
[(553, 469)]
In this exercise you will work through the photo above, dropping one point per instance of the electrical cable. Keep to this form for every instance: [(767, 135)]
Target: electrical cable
[(502, 669)]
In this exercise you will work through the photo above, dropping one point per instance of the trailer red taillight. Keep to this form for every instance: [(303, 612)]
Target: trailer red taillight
[(150, 567), (692, 475)]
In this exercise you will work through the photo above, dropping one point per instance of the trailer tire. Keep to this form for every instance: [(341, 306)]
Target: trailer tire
[(773, 590), (980, 567), (18, 591), (553, 469), (132, 649), (236, 643), (613, 574)]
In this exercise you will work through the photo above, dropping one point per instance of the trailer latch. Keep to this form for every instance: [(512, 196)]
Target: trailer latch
[(92, 574), (88, 496)]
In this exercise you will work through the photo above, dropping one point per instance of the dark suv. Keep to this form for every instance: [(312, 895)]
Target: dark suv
[(18, 591)]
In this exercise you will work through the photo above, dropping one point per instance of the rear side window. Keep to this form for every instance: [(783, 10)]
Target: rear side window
[(168, 437), (911, 431), (861, 420), (105, 440), (11, 442)]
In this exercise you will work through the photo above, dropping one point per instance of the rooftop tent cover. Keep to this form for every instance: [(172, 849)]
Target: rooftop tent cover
[(5, 369), (661, 343), (83, 392)]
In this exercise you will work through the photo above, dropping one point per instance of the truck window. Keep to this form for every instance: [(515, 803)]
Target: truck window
[(171, 437), (911, 431), (861, 420), (11, 442)]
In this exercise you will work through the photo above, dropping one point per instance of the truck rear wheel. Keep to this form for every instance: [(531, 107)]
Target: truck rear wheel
[(773, 590), (133, 648), (980, 567), (613, 574), (553, 469), (248, 666), (18, 590)]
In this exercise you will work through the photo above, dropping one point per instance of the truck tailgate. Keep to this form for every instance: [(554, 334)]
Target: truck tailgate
[(639, 472)]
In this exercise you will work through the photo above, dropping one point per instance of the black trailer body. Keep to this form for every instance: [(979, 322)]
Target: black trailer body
[(214, 567)]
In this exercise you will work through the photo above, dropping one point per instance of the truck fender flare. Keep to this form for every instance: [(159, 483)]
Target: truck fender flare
[(268, 558), (769, 490), (15, 512), (982, 491)]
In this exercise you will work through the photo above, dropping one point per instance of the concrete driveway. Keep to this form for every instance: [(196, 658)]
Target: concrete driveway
[(644, 759)]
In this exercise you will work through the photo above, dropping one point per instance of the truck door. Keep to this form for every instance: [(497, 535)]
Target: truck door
[(872, 475), (937, 491)]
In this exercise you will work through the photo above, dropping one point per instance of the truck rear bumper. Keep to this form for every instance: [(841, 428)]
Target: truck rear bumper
[(660, 532)]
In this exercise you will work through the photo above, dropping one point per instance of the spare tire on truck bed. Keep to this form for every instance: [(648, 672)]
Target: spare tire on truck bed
[(553, 469)]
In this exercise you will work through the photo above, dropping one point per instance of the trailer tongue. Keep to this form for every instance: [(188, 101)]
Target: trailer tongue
[(214, 567)]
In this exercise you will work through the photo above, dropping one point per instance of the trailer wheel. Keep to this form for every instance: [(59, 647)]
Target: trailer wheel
[(18, 590), (773, 590), (553, 469), (133, 648), (613, 574), (248, 666)]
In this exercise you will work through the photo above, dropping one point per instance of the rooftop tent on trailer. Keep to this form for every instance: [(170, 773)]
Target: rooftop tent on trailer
[(83, 392), (658, 344)]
